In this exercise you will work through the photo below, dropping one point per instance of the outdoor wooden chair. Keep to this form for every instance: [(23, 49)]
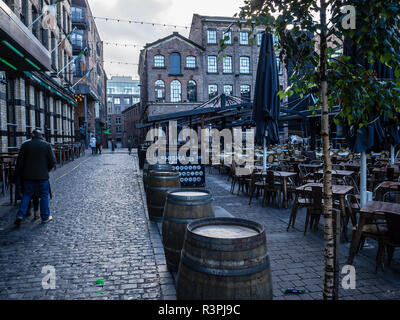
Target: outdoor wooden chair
[(392, 240), (256, 186), (272, 189), (392, 196)]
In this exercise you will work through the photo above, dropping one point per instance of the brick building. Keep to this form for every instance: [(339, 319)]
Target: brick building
[(131, 117), (122, 93), (89, 75), (179, 73), (35, 73)]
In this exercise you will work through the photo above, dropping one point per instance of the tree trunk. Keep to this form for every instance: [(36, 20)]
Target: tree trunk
[(331, 272)]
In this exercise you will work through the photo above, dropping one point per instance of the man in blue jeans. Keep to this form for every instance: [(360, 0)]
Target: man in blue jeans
[(35, 160)]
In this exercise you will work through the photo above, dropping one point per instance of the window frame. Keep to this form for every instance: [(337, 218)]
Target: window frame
[(230, 37), (213, 31), (209, 65), (224, 59), (192, 95), (241, 42), (158, 64), (209, 90), (174, 97), (228, 85), (241, 66), (159, 87), (249, 91), (191, 65)]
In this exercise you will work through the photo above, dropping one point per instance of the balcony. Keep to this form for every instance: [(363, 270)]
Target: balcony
[(80, 21), (78, 45)]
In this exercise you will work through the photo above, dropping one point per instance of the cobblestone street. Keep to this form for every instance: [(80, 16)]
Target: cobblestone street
[(100, 230)]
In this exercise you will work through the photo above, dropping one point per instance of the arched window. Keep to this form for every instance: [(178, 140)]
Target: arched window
[(176, 91), (159, 88), (192, 91), (175, 63), (159, 61)]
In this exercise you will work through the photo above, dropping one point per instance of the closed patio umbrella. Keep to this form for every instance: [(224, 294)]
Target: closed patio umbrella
[(266, 105), (372, 137)]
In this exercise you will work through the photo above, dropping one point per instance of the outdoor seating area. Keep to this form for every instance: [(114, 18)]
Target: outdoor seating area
[(293, 181), (64, 153)]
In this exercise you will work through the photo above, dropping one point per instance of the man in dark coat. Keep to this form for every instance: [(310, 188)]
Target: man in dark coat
[(35, 160)]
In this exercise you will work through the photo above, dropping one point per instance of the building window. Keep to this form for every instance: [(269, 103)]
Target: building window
[(37, 108), (212, 91), (244, 38), (159, 88), (228, 37), (159, 61), (176, 91), (192, 91), (228, 90), (27, 106), (117, 120), (11, 116), (117, 101), (118, 129), (244, 65), (212, 64), (109, 121), (279, 65), (227, 64), (211, 36), (259, 38), (245, 92), (175, 63), (127, 100), (191, 62), (117, 109)]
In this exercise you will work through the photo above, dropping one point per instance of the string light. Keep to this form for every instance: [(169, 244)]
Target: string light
[(143, 22)]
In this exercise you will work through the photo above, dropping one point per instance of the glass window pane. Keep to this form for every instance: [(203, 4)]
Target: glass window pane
[(228, 90), (176, 91), (211, 36), (191, 62), (228, 37), (227, 63), (212, 90), (244, 38), (159, 61), (212, 64), (245, 91), (244, 65)]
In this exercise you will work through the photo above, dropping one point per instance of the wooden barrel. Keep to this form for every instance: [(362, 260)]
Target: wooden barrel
[(154, 167), (182, 207), (158, 185), (224, 259)]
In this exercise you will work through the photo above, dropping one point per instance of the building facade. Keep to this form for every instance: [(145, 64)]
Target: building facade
[(179, 73), (35, 73), (122, 93), (89, 75)]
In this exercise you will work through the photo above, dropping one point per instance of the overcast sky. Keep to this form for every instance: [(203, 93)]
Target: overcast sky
[(175, 12)]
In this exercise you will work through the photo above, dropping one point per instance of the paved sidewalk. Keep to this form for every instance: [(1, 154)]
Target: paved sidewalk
[(100, 230)]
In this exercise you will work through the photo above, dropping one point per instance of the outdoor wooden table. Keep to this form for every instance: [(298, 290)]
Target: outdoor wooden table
[(353, 166), (339, 192), (383, 170), (284, 177), (338, 173), (386, 186), (368, 212)]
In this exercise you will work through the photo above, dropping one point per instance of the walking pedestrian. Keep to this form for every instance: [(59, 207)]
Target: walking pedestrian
[(35, 160), (130, 145), (93, 144), (98, 146)]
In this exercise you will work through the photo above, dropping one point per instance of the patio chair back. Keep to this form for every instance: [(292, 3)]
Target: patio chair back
[(393, 226), (392, 197)]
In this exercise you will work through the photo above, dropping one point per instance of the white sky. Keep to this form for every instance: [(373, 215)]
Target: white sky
[(175, 12)]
